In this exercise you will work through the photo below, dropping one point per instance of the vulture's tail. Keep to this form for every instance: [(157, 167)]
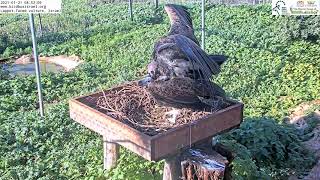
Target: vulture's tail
[(180, 21)]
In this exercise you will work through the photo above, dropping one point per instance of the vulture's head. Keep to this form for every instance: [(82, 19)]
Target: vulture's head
[(153, 73), (156, 72), (153, 70)]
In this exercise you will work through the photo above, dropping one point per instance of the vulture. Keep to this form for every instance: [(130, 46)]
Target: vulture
[(180, 71)]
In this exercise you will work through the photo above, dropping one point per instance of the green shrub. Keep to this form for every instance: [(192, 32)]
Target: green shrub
[(303, 27), (275, 149)]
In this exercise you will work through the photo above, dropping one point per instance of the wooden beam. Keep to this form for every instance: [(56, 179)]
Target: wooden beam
[(110, 154), (172, 168)]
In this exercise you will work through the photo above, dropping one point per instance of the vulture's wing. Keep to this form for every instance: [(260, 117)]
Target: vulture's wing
[(180, 21), (219, 59), (197, 56), (202, 87), (183, 92), (176, 91)]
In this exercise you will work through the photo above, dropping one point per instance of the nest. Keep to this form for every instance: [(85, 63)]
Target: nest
[(135, 106)]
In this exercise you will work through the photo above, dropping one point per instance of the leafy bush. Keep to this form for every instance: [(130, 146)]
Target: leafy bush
[(275, 149), (3, 43), (55, 147), (303, 27)]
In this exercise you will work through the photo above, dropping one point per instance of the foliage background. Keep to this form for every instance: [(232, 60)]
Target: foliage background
[(273, 66)]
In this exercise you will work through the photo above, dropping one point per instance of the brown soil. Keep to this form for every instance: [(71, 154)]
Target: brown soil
[(134, 106)]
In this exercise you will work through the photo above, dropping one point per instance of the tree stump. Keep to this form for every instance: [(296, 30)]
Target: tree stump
[(110, 153), (203, 164), (225, 152)]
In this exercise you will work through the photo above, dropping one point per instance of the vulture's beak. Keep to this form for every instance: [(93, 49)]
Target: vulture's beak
[(145, 81)]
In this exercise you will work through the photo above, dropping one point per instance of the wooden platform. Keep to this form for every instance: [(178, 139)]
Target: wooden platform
[(153, 148)]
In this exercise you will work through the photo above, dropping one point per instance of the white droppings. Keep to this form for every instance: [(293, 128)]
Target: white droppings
[(172, 115), (208, 163)]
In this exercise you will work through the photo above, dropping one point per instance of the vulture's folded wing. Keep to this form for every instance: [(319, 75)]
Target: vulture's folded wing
[(180, 21), (202, 89), (197, 56), (176, 91), (219, 59)]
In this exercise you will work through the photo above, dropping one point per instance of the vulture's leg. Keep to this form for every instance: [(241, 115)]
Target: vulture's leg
[(172, 115)]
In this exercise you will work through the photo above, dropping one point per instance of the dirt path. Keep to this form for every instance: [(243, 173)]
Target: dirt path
[(300, 120), (314, 145)]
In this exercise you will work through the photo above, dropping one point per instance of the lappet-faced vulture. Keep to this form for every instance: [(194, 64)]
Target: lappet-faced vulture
[(180, 66)]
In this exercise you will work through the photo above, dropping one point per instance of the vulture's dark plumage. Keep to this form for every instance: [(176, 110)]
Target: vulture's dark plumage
[(181, 92), (180, 71)]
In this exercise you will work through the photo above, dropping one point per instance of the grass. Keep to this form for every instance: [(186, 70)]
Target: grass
[(272, 67)]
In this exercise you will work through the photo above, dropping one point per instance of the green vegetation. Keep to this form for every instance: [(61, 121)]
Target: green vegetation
[(273, 66), (264, 148)]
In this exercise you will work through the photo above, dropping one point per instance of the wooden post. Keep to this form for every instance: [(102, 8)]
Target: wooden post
[(203, 31), (254, 2), (156, 2), (40, 25), (110, 154), (130, 10), (172, 168)]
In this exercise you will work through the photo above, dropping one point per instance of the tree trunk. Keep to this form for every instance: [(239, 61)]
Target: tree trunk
[(199, 164)]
